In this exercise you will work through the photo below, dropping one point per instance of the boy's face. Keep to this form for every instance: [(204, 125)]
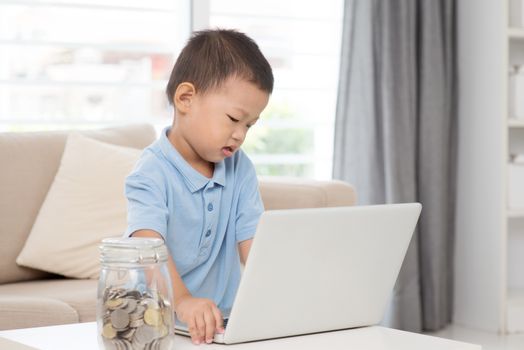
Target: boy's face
[(215, 124)]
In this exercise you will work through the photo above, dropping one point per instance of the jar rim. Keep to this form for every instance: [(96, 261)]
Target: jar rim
[(135, 250), (133, 242)]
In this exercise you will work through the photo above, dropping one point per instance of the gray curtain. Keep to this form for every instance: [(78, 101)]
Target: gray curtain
[(395, 137)]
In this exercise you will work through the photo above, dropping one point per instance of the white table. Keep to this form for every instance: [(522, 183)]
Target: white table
[(82, 336)]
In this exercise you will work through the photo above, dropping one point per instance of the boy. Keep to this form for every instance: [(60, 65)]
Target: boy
[(194, 187)]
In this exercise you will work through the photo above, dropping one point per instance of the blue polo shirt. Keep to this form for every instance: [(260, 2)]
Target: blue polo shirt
[(202, 220)]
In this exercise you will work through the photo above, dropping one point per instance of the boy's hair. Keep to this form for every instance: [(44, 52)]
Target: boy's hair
[(212, 56)]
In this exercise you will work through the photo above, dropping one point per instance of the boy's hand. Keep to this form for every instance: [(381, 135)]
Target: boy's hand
[(202, 317)]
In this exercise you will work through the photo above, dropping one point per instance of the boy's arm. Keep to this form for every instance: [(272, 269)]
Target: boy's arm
[(179, 288), (201, 315), (250, 209), (243, 249)]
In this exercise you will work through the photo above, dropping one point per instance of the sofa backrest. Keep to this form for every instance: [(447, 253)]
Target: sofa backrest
[(294, 193), (30, 162)]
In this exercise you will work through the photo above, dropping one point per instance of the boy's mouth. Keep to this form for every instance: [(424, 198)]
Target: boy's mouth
[(228, 151)]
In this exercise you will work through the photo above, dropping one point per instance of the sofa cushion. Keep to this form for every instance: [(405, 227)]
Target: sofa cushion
[(29, 164), (294, 193), (34, 311), (85, 204), (80, 295)]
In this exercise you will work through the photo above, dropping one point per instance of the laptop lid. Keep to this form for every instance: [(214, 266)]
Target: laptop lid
[(322, 269)]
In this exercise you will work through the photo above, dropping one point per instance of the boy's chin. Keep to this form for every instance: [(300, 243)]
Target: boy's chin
[(216, 158), (220, 157)]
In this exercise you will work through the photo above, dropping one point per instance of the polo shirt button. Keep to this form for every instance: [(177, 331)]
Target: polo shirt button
[(208, 233), (210, 207)]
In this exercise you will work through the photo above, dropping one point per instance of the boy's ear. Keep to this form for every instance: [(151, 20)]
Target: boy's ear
[(184, 95)]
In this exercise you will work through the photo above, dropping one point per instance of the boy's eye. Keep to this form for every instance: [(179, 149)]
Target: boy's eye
[(232, 119)]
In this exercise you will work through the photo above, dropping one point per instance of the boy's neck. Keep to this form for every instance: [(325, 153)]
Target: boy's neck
[(188, 153)]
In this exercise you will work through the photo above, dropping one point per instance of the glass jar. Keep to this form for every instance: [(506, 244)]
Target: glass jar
[(134, 305)]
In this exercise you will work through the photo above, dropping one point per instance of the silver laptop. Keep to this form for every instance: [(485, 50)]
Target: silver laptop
[(316, 270)]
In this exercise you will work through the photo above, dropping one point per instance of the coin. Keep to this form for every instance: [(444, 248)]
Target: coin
[(108, 331), (120, 319), (130, 305), (114, 303), (134, 294), (153, 317), (122, 344), (127, 334), (146, 334), (136, 323), (137, 313)]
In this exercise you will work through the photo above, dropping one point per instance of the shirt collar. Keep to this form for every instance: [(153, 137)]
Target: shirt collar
[(193, 179)]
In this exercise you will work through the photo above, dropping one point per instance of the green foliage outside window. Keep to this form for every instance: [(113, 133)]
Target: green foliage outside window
[(267, 140)]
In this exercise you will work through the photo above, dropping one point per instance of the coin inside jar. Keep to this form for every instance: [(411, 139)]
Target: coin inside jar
[(153, 317), (114, 303), (135, 320), (108, 331), (131, 305), (119, 319)]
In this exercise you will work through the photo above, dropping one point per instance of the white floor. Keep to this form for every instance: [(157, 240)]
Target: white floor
[(489, 341)]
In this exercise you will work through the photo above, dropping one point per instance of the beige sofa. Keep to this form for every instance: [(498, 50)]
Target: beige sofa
[(30, 298)]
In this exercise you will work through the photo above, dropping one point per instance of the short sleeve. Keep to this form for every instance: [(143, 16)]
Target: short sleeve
[(146, 205), (249, 208)]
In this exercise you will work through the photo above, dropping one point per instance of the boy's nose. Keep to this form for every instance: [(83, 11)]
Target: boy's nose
[(239, 135)]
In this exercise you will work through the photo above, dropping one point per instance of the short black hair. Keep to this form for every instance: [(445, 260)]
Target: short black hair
[(212, 56)]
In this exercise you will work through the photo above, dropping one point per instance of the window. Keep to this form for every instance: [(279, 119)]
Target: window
[(301, 40), (90, 63), (87, 63)]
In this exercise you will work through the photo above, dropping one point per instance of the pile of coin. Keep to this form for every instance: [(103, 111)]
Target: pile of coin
[(135, 320)]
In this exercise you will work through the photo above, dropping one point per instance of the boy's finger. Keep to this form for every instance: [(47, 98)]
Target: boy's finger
[(193, 330), (219, 322), (201, 328), (210, 326)]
